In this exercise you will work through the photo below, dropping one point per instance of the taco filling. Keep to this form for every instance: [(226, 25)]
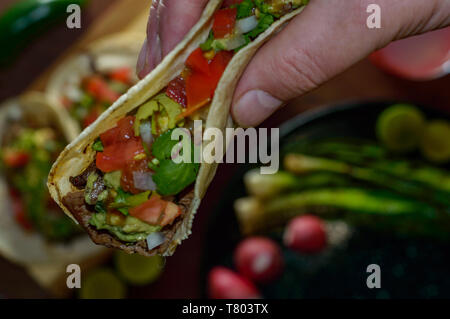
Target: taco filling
[(133, 195), (27, 154), (89, 98)]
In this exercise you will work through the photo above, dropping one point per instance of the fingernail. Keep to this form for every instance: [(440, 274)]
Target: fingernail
[(254, 107)]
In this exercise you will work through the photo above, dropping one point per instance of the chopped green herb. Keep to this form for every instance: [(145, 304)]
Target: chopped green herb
[(262, 6), (264, 22), (120, 202), (98, 145), (153, 165), (245, 9), (206, 46), (100, 207)]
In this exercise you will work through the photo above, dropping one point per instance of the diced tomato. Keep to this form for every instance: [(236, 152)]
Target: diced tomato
[(219, 64), (91, 117), (224, 22), (200, 87), (16, 159), (151, 211), (122, 132), (116, 156), (19, 211), (97, 87), (197, 62), (127, 180), (171, 212), (176, 90), (122, 75)]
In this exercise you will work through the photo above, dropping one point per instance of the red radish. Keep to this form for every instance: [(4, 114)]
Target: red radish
[(305, 234), (225, 284), (259, 259)]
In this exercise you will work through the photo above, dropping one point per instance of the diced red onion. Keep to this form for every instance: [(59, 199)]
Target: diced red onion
[(144, 181), (155, 239), (247, 24), (145, 129)]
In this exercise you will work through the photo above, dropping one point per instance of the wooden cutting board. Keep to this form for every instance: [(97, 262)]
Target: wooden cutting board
[(122, 17)]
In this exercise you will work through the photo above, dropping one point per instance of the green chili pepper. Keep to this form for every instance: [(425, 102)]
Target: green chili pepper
[(26, 19)]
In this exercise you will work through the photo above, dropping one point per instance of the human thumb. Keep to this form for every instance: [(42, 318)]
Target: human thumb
[(325, 39)]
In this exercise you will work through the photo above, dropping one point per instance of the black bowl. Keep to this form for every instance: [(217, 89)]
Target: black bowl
[(410, 268)]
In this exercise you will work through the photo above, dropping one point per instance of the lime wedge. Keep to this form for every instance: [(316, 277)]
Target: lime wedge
[(137, 269), (400, 126), (435, 142), (102, 284)]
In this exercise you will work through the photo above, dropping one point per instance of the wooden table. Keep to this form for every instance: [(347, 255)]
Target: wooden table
[(182, 278)]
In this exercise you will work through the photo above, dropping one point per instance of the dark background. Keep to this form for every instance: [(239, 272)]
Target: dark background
[(182, 278)]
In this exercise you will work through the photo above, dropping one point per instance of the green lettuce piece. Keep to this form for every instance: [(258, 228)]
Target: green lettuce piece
[(163, 145), (171, 178)]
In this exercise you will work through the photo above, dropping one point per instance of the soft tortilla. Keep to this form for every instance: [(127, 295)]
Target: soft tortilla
[(17, 245), (112, 52), (79, 154)]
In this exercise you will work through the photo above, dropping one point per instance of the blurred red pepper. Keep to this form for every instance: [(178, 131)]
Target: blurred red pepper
[(15, 159), (121, 75), (19, 210), (98, 88), (200, 86), (197, 62)]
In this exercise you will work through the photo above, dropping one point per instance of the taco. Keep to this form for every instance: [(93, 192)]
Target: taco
[(33, 229), (118, 178), (93, 79)]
